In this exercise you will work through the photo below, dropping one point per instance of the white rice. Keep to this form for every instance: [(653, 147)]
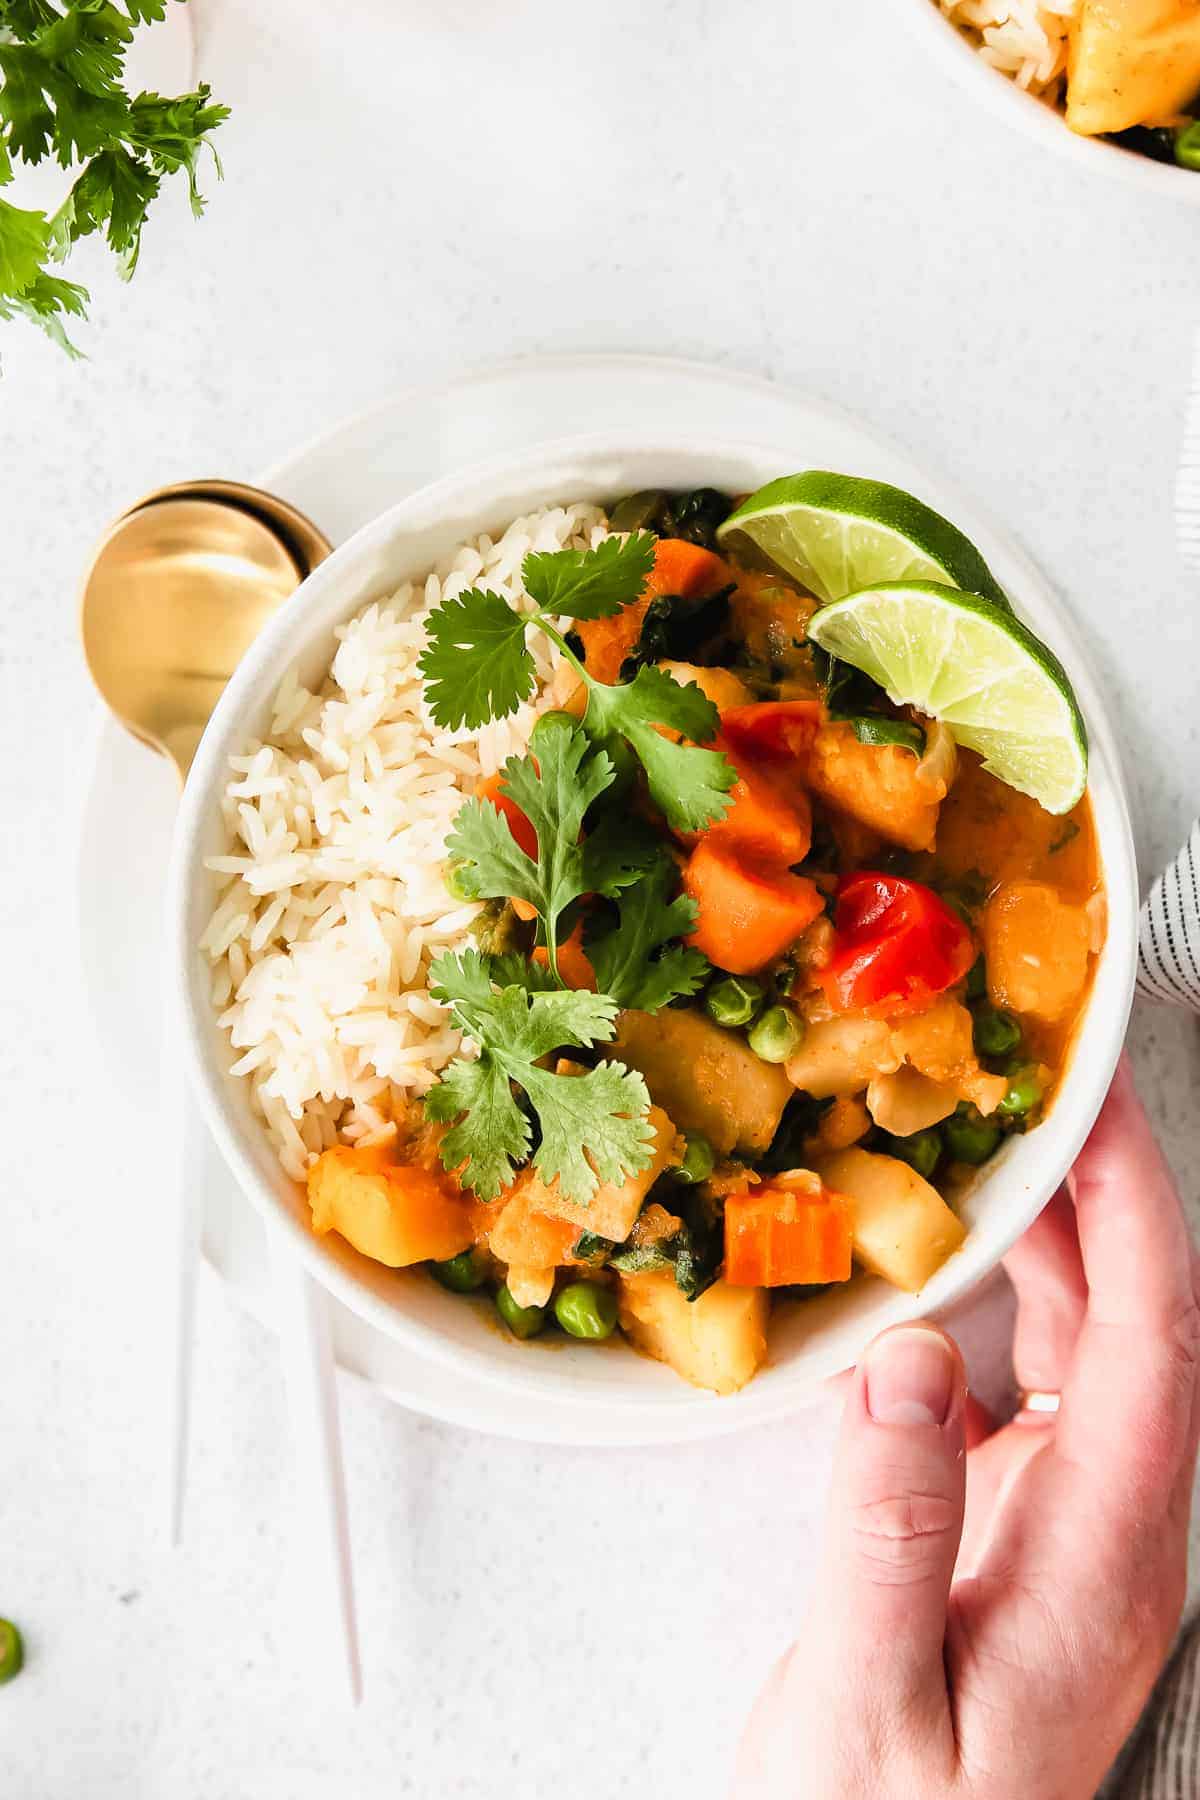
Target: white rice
[(332, 898), (1026, 39)]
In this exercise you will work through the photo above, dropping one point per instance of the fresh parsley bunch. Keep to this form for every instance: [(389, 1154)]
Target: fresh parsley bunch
[(62, 96), (592, 1126)]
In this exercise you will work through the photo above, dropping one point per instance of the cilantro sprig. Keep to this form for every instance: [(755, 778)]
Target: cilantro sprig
[(477, 666), (555, 786), (593, 1126), (61, 96)]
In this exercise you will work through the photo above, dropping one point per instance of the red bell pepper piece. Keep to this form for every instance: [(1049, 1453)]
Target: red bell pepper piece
[(897, 945)]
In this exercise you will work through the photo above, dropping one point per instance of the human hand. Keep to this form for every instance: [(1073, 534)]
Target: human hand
[(991, 1626)]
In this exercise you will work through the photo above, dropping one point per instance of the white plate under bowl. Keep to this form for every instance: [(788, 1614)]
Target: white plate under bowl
[(343, 478), (1034, 118), (808, 1344)]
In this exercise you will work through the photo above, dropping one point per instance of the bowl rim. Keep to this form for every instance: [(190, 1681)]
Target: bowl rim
[(191, 1003), (1018, 108)]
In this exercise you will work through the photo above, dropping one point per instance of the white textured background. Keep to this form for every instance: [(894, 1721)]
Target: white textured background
[(787, 188)]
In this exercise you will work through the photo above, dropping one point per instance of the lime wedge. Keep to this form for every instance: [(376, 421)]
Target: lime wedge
[(836, 534), (972, 664)]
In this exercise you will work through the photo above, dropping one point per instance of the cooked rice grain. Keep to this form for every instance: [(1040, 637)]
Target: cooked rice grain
[(332, 901), (1025, 39)]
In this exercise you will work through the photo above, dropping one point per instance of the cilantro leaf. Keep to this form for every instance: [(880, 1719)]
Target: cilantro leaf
[(476, 665), (594, 1126), (61, 96), (553, 785), (590, 584), (624, 956), (24, 244), (618, 853), (511, 969), (688, 784), (492, 1136), (113, 195)]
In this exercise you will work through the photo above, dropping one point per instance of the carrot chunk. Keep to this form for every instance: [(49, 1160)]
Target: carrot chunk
[(573, 964), (781, 1235), (780, 731), (492, 791), (679, 568), (747, 915), (770, 821)]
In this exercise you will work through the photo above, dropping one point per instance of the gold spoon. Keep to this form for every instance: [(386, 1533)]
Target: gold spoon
[(178, 589)]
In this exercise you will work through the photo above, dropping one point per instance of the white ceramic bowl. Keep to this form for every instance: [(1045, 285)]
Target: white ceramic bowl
[(1044, 124), (808, 1343)]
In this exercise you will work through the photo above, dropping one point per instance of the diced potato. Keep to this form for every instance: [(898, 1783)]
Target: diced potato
[(614, 1207), (842, 1124), (907, 1101), (706, 1079), (1037, 949), (721, 686), (531, 1244), (881, 786), (717, 1341), (654, 1225), (939, 1041), (941, 1044), (395, 1213), (903, 1229), (1131, 62), (840, 1056)]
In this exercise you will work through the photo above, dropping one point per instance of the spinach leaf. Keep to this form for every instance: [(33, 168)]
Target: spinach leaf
[(862, 704), (800, 1119), (676, 629)]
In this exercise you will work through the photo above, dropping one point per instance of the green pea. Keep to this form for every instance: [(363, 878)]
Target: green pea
[(457, 883), (969, 1137), (977, 979), (921, 1150), (522, 1321), (699, 1160), (12, 1651), (996, 1033), (462, 1274), (733, 1001), (776, 1034), (586, 1310), (1024, 1093), (1187, 146)]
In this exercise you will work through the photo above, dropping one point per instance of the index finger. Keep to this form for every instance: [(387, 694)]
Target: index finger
[(1127, 1408)]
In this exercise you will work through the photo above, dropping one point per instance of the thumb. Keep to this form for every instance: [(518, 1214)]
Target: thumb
[(897, 1516)]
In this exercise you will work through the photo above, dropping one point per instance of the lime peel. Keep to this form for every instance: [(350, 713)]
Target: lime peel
[(837, 534)]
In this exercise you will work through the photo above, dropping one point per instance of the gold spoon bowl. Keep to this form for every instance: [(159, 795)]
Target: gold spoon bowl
[(177, 591)]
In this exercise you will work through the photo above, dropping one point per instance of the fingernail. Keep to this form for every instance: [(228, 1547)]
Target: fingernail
[(910, 1378)]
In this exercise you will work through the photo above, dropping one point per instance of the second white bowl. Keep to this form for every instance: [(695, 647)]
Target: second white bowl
[(1033, 117)]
